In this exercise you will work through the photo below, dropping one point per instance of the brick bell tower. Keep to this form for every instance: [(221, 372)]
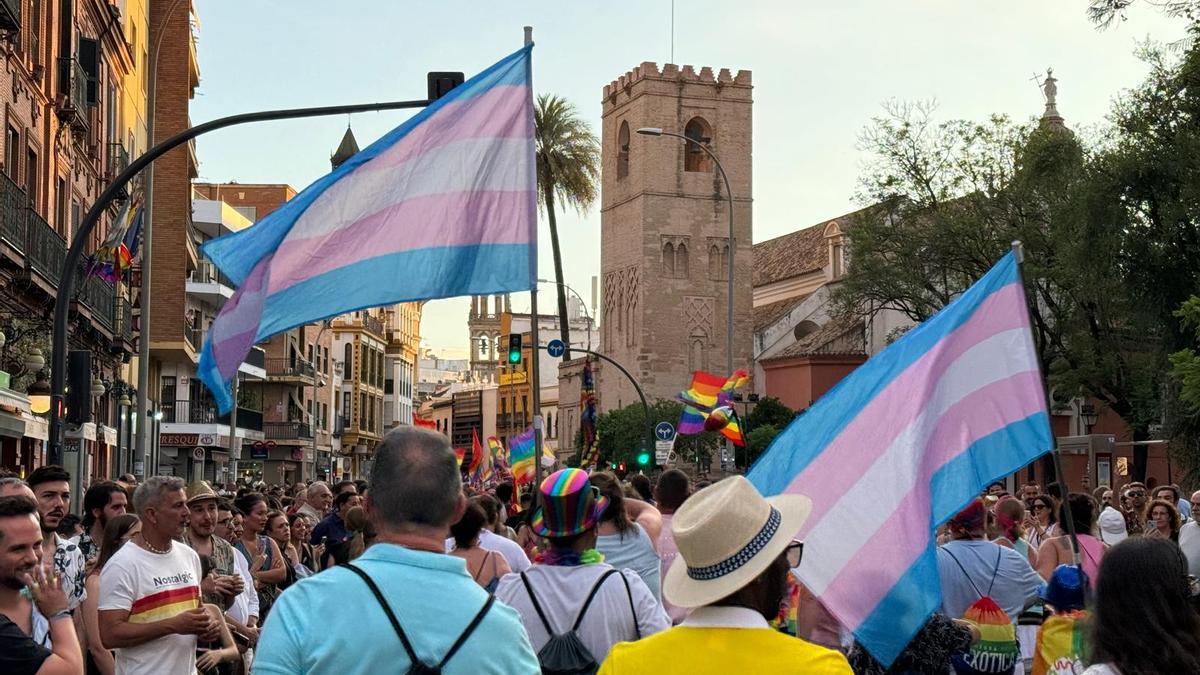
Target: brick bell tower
[(665, 227)]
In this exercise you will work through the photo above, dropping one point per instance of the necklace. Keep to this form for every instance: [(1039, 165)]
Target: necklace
[(150, 547)]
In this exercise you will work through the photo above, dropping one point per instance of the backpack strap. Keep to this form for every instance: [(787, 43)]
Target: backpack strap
[(632, 609), (487, 605), (412, 656), (964, 571), (588, 603), (995, 572), (482, 563), (536, 607)]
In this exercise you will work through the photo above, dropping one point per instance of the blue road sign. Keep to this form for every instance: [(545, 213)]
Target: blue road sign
[(556, 348), (664, 431)]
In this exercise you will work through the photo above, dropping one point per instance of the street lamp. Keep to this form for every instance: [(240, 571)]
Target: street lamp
[(655, 131), (1089, 417), (582, 304), (39, 396)]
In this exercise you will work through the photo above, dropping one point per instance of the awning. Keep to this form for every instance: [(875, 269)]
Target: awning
[(37, 428), (108, 434), (12, 426)]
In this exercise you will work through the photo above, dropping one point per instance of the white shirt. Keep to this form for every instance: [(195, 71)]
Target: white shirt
[(511, 550), (153, 587), (724, 617), (245, 605), (1189, 543), (1101, 669), (561, 592)]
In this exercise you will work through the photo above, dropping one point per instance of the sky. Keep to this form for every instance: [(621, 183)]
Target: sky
[(821, 71)]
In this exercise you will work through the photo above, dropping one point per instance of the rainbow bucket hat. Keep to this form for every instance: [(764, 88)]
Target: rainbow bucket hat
[(570, 504)]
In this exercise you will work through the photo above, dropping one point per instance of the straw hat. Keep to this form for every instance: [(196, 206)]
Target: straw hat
[(728, 534), (199, 491)]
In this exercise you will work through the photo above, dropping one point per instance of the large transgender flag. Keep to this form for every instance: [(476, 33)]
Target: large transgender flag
[(900, 446), (444, 205)]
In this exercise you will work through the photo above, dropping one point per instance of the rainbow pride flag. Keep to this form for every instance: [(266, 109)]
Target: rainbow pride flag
[(497, 449), (521, 456), (481, 460), (708, 394), (915, 433), (442, 206)]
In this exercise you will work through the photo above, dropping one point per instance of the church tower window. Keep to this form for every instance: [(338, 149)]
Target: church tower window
[(623, 151), (696, 159)]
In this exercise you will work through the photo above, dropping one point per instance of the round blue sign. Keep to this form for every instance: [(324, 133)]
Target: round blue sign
[(556, 348), (664, 431)]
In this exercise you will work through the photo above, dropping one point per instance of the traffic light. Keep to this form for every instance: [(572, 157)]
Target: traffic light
[(79, 386), (514, 348), (621, 467), (643, 458)]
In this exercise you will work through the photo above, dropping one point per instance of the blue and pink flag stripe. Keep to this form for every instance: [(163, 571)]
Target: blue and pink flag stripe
[(442, 206), (902, 444)]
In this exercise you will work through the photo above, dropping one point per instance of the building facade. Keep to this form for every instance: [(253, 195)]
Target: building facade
[(401, 365), (74, 73), (664, 219), (360, 339)]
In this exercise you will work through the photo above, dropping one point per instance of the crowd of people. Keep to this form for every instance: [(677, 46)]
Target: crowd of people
[(414, 572)]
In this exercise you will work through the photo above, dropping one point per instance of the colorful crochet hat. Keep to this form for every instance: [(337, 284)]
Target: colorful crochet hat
[(570, 504)]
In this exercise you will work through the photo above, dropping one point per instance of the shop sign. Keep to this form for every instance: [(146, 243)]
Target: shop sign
[(178, 440)]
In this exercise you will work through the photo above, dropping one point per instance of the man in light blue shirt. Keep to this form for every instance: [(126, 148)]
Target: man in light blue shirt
[(970, 566), (334, 623)]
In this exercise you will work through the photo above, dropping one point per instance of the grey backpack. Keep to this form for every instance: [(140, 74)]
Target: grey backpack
[(565, 653)]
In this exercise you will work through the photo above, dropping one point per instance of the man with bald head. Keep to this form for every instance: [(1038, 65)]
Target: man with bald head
[(11, 486), (319, 499)]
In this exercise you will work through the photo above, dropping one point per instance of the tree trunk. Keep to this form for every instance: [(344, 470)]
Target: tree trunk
[(1141, 454), (564, 330)]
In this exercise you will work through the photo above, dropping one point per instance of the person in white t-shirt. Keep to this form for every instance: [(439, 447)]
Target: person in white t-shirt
[(571, 586), (513, 554), (150, 609)]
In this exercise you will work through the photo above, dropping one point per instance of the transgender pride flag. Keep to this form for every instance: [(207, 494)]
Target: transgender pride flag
[(444, 205), (900, 446)]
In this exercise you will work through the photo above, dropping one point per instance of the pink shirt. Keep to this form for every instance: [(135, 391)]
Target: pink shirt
[(667, 552)]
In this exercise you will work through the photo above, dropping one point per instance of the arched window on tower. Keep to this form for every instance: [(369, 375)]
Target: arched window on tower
[(697, 344), (681, 261), (714, 261), (349, 361), (668, 260), (695, 159), (623, 151)]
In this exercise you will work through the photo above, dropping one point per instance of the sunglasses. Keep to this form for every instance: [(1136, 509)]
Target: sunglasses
[(1135, 493), (794, 552)]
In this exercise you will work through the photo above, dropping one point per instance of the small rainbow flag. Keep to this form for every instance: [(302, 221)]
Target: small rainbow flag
[(460, 454), (497, 450), (520, 449), (481, 460), (708, 393)]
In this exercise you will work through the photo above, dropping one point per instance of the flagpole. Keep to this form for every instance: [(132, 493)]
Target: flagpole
[(535, 384), (1018, 250)]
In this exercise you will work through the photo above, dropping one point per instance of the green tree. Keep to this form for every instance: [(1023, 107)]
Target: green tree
[(951, 196), (757, 441), (623, 433), (568, 168), (768, 411)]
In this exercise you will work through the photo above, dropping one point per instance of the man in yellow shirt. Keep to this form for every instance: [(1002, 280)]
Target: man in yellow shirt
[(735, 550)]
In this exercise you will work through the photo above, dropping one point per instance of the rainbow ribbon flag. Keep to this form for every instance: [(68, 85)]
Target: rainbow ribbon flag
[(481, 461), (497, 449), (521, 456), (442, 206), (708, 395), (901, 445)]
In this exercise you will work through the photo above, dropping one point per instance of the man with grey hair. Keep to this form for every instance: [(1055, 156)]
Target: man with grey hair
[(317, 502), (403, 593), (150, 610), (11, 486)]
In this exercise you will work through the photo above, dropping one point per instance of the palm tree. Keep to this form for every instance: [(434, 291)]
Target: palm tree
[(568, 168)]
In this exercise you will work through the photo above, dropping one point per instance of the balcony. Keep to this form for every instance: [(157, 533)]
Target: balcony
[(193, 336), (205, 412), (207, 284), (72, 106), (124, 316), (118, 159), (290, 371), (341, 424), (287, 431), (45, 250), (99, 297), (10, 15), (13, 205), (361, 320)]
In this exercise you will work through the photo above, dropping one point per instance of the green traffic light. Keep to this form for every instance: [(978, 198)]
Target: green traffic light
[(643, 459), (514, 357)]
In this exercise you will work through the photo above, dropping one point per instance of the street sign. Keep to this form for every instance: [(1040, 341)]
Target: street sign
[(664, 431), (662, 451), (556, 348)]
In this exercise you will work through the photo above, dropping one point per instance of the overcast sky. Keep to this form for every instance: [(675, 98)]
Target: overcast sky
[(821, 71)]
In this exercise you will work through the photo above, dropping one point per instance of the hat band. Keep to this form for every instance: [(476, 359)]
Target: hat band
[(737, 560)]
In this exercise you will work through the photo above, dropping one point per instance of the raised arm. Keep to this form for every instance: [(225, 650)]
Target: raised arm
[(647, 516)]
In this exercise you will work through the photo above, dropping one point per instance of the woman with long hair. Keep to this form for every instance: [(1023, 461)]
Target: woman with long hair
[(267, 565), (627, 532), (280, 531), (1163, 520), (485, 566), (309, 556), (1143, 622), (1058, 550), (119, 530), (1041, 522)]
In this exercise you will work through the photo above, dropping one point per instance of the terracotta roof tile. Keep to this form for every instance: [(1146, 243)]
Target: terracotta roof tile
[(766, 315), (797, 253), (838, 337)]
